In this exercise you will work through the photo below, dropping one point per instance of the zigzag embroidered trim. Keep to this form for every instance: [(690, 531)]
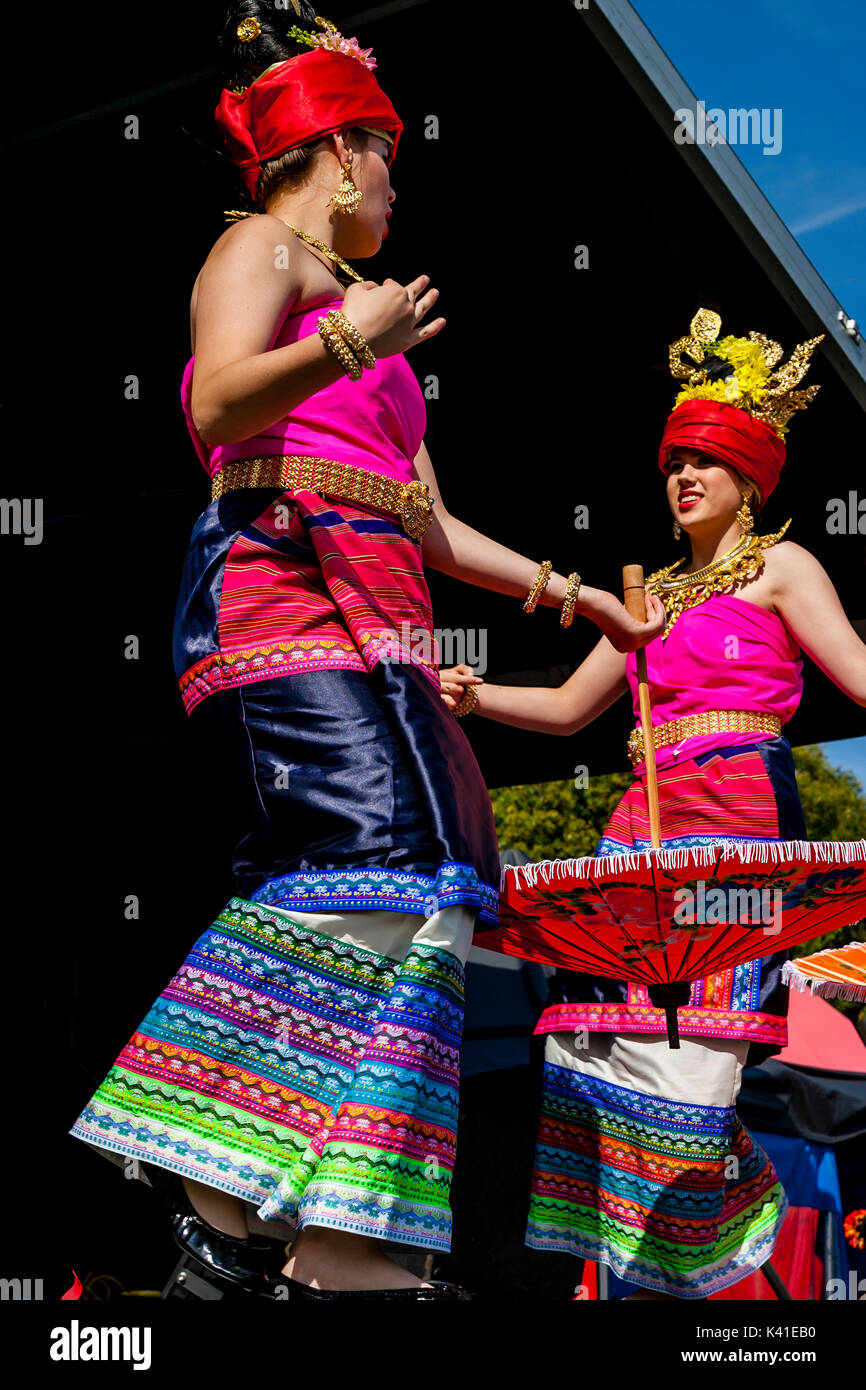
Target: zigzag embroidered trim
[(382, 889)]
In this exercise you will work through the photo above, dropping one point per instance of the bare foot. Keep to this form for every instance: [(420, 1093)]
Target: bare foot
[(218, 1208), (326, 1259)]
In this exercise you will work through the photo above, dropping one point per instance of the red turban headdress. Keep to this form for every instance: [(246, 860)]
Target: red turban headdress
[(730, 434), (313, 94)]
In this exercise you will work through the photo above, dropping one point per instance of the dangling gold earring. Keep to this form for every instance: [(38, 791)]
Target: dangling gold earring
[(347, 197), (744, 515), (678, 530)]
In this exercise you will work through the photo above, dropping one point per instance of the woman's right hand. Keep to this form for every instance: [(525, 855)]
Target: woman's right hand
[(624, 632), (390, 315), (454, 681)]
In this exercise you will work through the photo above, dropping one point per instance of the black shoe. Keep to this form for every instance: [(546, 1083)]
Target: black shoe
[(250, 1264), (437, 1291)]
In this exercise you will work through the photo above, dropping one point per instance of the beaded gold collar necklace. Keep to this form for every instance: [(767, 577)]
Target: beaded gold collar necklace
[(679, 592)]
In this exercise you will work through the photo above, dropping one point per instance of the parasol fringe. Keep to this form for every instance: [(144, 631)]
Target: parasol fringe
[(796, 974), (827, 989), (702, 856)]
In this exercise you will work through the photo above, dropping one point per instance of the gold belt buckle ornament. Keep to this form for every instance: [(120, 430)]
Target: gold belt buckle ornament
[(416, 510), (635, 746), (711, 721)]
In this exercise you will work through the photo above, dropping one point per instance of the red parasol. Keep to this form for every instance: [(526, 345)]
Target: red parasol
[(668, 917), (671, 916)]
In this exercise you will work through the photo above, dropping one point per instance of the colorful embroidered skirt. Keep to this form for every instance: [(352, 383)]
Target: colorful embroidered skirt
[(305, 1064), (643, 1165), (305, 1056), (641, 1161)]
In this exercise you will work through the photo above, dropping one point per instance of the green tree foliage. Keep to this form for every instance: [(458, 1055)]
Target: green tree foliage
[(556, 820), (834, 801), (553, 820)]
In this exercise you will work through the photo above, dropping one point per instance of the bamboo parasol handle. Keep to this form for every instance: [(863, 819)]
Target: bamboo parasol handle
[(633, 592)]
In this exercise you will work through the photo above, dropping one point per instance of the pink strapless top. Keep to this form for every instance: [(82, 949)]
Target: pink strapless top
[(377, 422), (726, 653)]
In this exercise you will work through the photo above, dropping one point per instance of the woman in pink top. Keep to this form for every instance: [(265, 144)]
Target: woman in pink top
[(641, 1162), (302, 1062)]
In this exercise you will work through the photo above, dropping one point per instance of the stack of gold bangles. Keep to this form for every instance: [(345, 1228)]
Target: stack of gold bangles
[(539, 584), (469, 699), (348, 345)]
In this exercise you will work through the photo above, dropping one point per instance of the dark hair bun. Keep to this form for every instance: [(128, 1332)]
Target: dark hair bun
[(241, 63), (715, 368)]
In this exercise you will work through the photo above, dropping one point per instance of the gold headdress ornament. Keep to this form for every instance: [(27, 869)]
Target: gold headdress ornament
[(329, 38), (249, 29), (755, 383)]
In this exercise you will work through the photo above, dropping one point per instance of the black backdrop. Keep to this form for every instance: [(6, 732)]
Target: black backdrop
[(552, 391)]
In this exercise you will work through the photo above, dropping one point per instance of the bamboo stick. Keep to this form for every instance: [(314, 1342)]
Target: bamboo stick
[(633, 591)]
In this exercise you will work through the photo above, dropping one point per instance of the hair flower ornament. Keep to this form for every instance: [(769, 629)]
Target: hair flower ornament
[(332, 39)]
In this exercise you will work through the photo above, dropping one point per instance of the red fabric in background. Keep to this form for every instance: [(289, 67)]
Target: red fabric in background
[(793, 1259), (820, 1036)]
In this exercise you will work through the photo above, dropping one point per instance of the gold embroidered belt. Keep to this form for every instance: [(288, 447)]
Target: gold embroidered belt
[(411, 502), (710, 721)]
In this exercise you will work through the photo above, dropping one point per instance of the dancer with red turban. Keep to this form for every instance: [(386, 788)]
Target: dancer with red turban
[(303, 1060), (641, 1162)]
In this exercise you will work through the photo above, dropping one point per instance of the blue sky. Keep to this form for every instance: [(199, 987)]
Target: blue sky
[(806, 59)]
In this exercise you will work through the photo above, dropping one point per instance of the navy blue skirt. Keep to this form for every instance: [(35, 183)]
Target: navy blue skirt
[(361, 792)]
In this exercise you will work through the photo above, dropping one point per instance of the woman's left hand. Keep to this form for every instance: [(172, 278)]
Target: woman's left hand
[(625, 633), (454, 681)]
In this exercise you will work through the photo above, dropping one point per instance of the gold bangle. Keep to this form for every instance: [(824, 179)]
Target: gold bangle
[(467, 703), (572, 589), (538, 587), (347, 359), (343, 353), (352, 336)]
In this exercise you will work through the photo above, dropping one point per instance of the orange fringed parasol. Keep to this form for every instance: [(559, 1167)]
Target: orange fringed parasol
[(834, 973)]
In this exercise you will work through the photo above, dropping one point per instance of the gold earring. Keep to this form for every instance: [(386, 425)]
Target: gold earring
[(744, 515), (678, 530), (347, 197)]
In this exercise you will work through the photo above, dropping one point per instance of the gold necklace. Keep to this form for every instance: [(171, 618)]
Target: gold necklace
[(326, 250), (679, 592), (234, 215)]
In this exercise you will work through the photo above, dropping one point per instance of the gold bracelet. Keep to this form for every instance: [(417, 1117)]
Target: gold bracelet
[(344, 355), (572, 589), (538, 587), (467, 703), (352, 336)]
